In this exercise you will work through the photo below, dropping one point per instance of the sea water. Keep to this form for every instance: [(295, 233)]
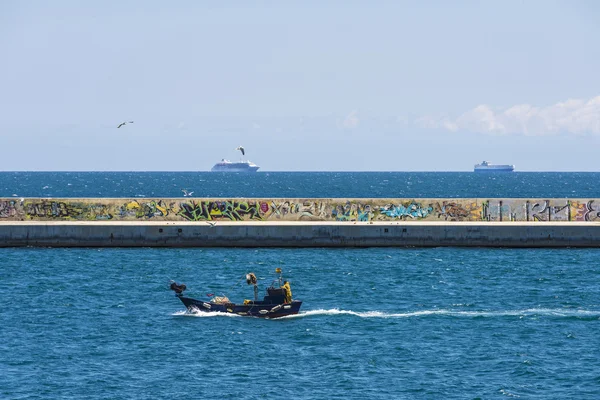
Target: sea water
[(376, 323), (302, 184)]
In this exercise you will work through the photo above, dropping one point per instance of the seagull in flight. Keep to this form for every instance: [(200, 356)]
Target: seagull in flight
[(124, 123), (212, 224), (186, 193), (240, 148)]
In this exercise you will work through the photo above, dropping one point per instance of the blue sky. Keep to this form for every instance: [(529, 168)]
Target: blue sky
[(303, 86)]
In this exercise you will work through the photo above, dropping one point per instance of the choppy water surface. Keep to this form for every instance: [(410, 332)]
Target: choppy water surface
[(375, 323), (301, 184)]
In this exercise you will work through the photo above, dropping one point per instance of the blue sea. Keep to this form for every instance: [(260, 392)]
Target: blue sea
[(378, 323), (302, 184)]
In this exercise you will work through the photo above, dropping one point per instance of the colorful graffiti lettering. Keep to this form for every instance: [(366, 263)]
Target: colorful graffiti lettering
[(591, 214), (53, 209), (301, 210), (288, 210), (413, 210), (352, 212), (546, 211), (215, 210), (538, 211), (282, 209), (98, 212), (8, 209), (451, 210), (312, 211), (149, 209)]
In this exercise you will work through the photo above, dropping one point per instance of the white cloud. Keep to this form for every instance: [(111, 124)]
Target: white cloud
[(481, 119), (574, 116)]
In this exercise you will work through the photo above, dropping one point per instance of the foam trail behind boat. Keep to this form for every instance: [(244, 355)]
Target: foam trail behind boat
[(555, 313)]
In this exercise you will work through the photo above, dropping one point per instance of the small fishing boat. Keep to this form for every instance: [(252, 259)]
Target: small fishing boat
[(277, 303)]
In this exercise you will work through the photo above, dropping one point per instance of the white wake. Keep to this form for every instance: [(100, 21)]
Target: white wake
[(455, 313), (530, 312)]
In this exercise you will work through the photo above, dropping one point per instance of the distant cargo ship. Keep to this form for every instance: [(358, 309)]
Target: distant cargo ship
[(239, 166), (487, 167)]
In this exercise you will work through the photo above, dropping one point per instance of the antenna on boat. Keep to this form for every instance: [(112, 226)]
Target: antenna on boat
[(278, 271)]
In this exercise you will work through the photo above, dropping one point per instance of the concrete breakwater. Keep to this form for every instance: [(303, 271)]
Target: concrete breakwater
[(298, 234), (200, 222)]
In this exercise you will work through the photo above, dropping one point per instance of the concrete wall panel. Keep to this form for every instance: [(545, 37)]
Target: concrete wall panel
[(299, 234)]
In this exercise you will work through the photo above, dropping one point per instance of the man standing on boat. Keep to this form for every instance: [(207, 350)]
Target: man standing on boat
[(288, 292)]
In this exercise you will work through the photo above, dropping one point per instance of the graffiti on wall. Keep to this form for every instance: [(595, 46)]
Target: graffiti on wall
[(352, 212), (144, 209), (539, 211), (67, 210), (219, 210), (455, 211), (343, 210), (547, 210), (506, 212), (8, 209), (586, 211), (295, 210), (411, 210), (52, 209)]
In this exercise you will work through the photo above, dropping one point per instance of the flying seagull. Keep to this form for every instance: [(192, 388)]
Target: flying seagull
[(240, 148), (212, 224), (124, 123), (186, 193)]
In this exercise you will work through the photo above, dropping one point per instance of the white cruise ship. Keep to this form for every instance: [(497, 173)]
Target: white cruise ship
[(239, 166), (487, 167)]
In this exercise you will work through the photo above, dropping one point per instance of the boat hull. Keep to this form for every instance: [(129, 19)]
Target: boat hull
[(234, 169), (228, 166), (487, 167), (254, 309), (503, 169)]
